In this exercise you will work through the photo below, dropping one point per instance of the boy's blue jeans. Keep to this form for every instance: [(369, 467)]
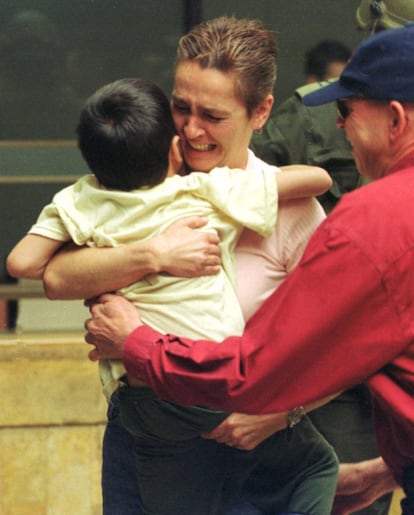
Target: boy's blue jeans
[(121, 494), (120, 490), (407, 504)]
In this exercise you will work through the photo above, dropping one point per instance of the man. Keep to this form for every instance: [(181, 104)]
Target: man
[(352, 319), (296, 133)]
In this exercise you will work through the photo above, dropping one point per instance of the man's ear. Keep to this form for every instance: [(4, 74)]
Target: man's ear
[(398, 118)]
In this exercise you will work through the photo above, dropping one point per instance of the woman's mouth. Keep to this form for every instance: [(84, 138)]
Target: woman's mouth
[(201, 147)]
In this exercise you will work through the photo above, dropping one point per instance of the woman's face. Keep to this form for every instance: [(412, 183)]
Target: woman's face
[(213, 124)]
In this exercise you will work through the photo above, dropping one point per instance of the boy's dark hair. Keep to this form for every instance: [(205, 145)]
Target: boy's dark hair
[(124, 134)]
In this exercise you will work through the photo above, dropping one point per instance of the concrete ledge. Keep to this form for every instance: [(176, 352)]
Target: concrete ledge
[(51, 425), (49, 381)]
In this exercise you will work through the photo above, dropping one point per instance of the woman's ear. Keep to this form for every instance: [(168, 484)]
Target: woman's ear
[(262, 113)]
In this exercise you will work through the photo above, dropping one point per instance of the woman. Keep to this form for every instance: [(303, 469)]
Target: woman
[(223, 83)]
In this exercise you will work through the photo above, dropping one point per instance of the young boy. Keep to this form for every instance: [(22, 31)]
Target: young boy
[(125, 135)]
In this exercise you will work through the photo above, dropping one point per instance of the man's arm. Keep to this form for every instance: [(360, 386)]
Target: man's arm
[(294, 350), (117, 318), (77, 273)]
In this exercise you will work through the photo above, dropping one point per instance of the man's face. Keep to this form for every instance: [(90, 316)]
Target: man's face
[(365, 125), (212, 122)]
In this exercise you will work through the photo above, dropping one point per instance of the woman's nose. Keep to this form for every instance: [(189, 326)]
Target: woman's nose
[(192, 128)]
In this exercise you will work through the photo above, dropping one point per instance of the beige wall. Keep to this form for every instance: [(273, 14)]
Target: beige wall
[(51, 426)]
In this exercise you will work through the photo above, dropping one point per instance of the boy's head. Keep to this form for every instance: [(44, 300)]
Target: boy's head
[(124, 134)]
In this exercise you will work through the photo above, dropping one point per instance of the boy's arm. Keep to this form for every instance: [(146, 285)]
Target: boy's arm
[(29, 258), (300, 181)]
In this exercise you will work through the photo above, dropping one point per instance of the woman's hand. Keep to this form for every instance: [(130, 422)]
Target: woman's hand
[(247, 431), (183, 251)]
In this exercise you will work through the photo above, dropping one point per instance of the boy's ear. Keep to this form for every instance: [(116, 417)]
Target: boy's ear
[(175, 158)]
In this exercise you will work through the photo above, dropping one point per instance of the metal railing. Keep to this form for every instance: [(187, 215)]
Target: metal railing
[(12, 177), (21, 291)]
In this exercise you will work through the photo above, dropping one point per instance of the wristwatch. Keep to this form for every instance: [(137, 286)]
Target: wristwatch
[(295, 416)]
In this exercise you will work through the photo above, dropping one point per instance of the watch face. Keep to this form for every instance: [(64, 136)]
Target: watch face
[(295, 416)]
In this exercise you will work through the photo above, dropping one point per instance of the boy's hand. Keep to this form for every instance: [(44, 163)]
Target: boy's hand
[(175, 158)]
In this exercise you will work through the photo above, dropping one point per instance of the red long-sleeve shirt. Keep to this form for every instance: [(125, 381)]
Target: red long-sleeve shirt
[(345, 315)]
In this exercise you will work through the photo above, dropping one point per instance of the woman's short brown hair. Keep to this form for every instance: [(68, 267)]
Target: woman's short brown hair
[(241, 46)]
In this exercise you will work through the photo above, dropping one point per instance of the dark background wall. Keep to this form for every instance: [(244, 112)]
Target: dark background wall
[(298, 25), (79, 45), (53, 58)]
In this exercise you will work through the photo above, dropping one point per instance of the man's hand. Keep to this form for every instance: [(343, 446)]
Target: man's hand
[(113, 319), (360, 484), (183, 251), (247, 431)]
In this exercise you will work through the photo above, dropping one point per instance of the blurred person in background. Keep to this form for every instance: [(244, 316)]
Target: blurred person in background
[(325, 60)]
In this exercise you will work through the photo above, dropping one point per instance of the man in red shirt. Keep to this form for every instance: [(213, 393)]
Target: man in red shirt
[(345, 315)]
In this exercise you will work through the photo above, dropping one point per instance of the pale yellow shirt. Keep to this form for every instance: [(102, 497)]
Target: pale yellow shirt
[(201, 307)]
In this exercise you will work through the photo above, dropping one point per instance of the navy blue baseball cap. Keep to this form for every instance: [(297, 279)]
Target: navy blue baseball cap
[(381, 68)]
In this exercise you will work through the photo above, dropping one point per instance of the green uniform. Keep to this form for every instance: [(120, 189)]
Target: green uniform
[(299, 134), (296, 134)]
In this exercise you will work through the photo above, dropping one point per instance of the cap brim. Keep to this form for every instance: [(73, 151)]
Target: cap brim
[(327, 93)]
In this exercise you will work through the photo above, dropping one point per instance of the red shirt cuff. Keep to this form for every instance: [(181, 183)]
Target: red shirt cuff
[(138, 351)]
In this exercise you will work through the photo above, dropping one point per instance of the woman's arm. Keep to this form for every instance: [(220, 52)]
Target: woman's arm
[(300, 181), (29, 258), (79, 273), (76, 273), (247, 431)]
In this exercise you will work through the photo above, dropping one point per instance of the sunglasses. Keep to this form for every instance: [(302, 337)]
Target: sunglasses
[(342, 109)]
